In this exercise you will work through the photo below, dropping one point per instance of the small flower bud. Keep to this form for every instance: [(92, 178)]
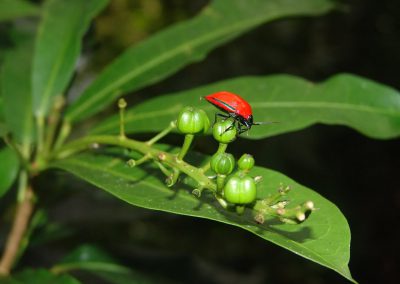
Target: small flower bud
[(309, 205), (259, 218), (224, 131), (300, 216), (192, 121), (169, 181), (240, 190), (246, 162), (197, 192), (131, 163), (258, 179), (222, 163), (122, 103)]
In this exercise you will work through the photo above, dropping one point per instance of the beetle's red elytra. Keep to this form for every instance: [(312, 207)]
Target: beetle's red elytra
[(235, 106)]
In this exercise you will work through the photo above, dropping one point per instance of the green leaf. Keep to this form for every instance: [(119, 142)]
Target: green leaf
[(87, 257), (184, 43), (1, 107), (369, 107), (9, 166), (323, 238), (3, 126), (57, 47), (15, 87), (99, 263), (39, 276), (11, 9)]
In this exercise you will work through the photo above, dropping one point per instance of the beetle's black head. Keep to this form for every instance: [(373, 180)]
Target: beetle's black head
[(246, 122), (249, 122)]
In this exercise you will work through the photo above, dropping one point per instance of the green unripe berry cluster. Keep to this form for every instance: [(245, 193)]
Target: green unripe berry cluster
[(238, 189)]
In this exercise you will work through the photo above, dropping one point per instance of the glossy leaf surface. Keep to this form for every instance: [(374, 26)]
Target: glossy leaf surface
[(189, 41), (9, 165), (58, 46), (11, 9), (324, 237), (369, 107)]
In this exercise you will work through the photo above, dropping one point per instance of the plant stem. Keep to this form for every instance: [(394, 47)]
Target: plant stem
[(22, 186), (221, 148), (220, 183), (19, 227), (163, 133), (122, 105), (168, 159), (64, 132), (21, 153), (182, 153), (52, 123), (40, 135), (186, 145)]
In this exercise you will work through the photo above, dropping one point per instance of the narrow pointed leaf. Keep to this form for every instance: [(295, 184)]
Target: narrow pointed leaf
[(87, 257), (369, 107), (101, 264), (190, 41), (9, 165), (11, 9), (39, 276), (15, 87), (323, 238), (58, 46)]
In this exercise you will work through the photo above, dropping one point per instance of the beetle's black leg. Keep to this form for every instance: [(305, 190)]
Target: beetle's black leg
[(221, 115), (233, 123), (230, 127), (241, 130)]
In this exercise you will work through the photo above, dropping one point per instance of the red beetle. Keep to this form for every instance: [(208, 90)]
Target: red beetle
[(235, 106)]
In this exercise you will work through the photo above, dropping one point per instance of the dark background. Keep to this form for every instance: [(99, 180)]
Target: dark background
[(356, 173)]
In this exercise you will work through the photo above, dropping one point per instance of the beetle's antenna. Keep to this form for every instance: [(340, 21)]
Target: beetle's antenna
[(265, 122)]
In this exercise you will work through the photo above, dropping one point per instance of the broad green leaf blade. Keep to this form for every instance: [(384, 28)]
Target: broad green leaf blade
[(57, 47), (11, 9), (9, 165), (16, 89), (99, 263), (369, 107), (39, 276), (323, 238), (190, 41)]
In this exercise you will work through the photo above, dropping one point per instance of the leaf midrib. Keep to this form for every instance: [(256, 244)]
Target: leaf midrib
[(332, 105), (167, 55)]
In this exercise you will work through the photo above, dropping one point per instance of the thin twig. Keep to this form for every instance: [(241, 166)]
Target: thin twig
[(19, 226)]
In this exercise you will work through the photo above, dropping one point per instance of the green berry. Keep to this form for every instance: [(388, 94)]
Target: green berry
[(240, 190), (246, 162), (222, 163), (192, 121), (221, 134)]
